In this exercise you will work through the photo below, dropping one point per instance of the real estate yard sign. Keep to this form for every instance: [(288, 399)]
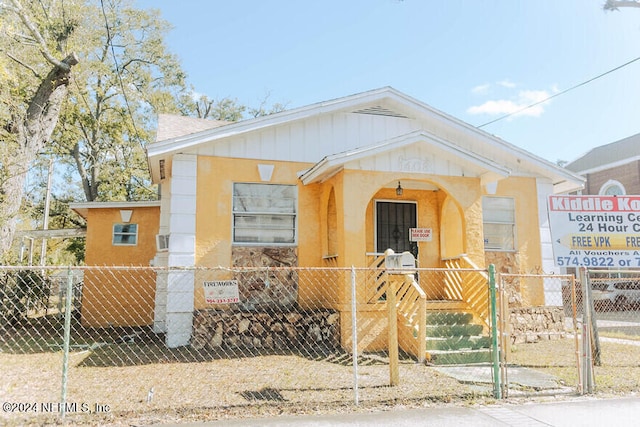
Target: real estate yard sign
[(595, 231)]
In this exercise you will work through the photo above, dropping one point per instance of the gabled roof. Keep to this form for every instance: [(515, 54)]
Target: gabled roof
[(386, 102), (402, 106), (329, 165), (607, 156)]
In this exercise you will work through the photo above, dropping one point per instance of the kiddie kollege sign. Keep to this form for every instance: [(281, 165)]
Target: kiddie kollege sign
[(595, 231)]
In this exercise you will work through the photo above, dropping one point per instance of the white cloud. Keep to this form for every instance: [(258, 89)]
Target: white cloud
[(481, 89), (486, 88), (196, 95), (507, 83), (517, 105)]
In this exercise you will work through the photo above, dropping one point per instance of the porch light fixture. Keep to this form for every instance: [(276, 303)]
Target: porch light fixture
[(399, 189)]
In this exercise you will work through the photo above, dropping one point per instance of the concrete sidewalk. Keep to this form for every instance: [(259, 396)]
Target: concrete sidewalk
[(583, 411)]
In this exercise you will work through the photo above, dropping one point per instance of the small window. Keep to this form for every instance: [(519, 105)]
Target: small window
[(264, 213), (125, 234), (499, 223), (612, 188)]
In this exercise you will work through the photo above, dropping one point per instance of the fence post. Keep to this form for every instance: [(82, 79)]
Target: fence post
[(504, 331), (495, 354), (65, 344), (394, 373), (587, 362), (422, 329), (354, 335)]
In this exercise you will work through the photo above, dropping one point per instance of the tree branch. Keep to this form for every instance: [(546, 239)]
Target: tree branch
[(28, 67), (19, 10)]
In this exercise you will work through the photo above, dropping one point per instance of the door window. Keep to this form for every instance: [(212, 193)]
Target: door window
[(393, 221)]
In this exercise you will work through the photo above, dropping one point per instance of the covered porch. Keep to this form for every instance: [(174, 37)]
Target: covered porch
[(369, 203)]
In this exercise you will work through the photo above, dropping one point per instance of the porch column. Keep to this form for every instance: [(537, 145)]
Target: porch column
[(182, 226), (354, 200)]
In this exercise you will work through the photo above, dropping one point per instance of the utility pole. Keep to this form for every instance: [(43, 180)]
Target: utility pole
[(45, 222)]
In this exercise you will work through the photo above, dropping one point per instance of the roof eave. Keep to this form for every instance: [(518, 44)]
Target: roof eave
[(82, 208)]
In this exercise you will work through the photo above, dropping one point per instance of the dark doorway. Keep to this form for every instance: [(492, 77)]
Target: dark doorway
[(393, 221)]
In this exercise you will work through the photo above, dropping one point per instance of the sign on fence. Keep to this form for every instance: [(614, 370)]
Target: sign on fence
[(595, 231), (221, 291)]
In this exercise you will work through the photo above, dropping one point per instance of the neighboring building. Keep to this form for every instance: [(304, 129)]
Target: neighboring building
[(611, 169), (119, 234), (334, 184)]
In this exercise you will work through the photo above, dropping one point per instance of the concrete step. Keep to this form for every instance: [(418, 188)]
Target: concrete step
[(453, 330), (460, 357), (448, 318), (458, 343)]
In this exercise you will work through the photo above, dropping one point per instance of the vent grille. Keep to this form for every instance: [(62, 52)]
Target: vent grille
[(380, 111)]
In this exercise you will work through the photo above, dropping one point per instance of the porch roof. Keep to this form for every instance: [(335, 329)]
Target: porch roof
[(486, 169)]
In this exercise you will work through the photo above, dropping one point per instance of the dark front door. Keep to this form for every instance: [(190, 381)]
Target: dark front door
[(393, 221)]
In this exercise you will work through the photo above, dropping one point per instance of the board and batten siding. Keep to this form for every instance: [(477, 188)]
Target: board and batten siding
[(312, 139)]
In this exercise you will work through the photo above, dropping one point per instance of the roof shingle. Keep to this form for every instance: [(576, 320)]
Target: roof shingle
[(172, 126)]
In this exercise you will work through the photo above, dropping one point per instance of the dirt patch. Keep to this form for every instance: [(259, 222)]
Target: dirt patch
[(129, 377), (217, 388)]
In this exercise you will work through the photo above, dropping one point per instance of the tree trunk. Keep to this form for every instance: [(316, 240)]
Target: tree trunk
[(33, 133)]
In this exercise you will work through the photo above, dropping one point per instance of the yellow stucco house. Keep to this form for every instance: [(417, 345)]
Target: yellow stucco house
[(338, 182)]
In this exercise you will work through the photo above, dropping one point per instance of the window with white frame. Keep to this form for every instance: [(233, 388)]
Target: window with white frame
[(612, 188), (499, 223), (264, 213), (125, 234)]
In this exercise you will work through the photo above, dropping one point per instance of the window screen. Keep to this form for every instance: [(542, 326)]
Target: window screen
[(264, 213), (499, 223)]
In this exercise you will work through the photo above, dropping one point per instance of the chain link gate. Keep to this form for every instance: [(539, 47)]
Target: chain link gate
[(539, 334)]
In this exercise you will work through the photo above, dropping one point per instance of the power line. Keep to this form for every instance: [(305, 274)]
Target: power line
[(124, 95), (561, 92), (115, 60)]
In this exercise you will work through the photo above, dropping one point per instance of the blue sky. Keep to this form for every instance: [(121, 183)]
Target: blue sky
[(475, 60)]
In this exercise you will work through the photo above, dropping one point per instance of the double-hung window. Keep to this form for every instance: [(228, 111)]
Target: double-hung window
[(499, 223), (125, 234), (264, 214)]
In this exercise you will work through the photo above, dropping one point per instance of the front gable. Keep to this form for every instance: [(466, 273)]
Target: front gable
[(366, 122), (417, 152)]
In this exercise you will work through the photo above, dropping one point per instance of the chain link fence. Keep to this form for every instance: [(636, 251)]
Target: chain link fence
[(191, 343), (150, 342)]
